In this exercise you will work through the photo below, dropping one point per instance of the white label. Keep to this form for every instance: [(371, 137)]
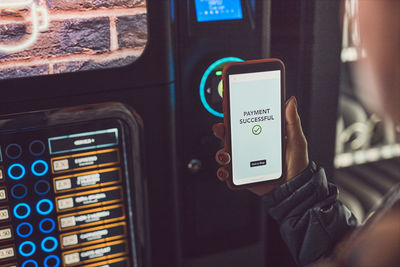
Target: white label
[(65, 203), (6, 253), (5, 234), (4, 214), (90, 179), (60, 165), (68, 222), (1, 174), (70, 240), (3, 194), (86, 161), (71, 258), (63, 184)]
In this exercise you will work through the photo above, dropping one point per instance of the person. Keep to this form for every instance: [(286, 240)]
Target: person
[(317, 228)]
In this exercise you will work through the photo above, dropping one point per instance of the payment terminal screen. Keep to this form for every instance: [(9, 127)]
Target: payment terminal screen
[(255, 103), (213, 10)]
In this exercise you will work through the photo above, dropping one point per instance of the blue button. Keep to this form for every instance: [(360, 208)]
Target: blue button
[(19, 213), (39, 163), (48, 258), (24, 229), (30, 261), (47, 225), (19, 191), (16, 167), (40, 207), (27, 248), (42, 187), (49, 244)]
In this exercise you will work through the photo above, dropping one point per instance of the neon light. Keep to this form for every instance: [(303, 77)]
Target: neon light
[(53, 225), (52, 257), (39, 19), (19, 229), (51, 206), (12, 167), (207, 73), (28, 211), (49, 249), (27, 243), (29, 261)]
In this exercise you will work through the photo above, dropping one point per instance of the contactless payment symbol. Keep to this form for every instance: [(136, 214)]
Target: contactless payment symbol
[(256, 130)]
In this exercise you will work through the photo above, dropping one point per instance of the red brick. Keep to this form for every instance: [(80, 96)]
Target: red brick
[(132, 31), (92, 4), (24, 72)]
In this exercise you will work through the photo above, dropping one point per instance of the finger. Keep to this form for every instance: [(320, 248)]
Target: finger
[(294, 130), (219, 130), (222, 157), (223, 174)]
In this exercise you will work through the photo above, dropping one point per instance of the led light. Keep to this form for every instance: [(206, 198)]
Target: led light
[(30, 261), (16, 165), (47, 231), (48, 240), (44, 212), (19, 216), (24, 244), (57, 259), (203, 81), (43, 163), (22, 225), (218, 73)]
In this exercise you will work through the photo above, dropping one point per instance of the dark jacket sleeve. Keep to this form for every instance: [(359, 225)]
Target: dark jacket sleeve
[(311, 218)]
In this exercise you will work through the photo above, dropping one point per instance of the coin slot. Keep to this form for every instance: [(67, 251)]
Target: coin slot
[(27, 248), (37, 148), (19, 191), (13, 151), (47, 225), (44, 207), (16, 171), (42, 187), (39, 168), (49, 244), (24, 230), (22, 211)]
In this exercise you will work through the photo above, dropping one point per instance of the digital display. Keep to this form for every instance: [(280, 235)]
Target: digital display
[(214, 10), (42, 37), (256, 129)]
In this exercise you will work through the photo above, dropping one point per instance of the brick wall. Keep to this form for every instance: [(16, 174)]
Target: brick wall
[(82, 35)]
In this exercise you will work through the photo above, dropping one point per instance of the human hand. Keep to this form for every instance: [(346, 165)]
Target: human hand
[(296, 151)]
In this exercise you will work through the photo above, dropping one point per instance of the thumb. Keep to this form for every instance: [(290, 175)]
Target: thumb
[(294, 130)]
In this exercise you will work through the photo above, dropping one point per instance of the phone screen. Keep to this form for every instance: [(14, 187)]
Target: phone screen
[(256, 126)]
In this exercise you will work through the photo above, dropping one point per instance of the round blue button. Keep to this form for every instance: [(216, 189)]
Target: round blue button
[(24, 229), (47, 225), (16, 171), (41, 207), (49, 244), (44, 167), (30, 261), (49, 258), (27, 248), (19, 211)]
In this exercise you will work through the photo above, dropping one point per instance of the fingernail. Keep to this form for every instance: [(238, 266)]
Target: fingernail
[(295, 101)]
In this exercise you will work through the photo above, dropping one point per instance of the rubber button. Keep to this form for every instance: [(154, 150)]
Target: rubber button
[(24, 230), (51, 261), (13, 151), (19, 191), (27, 248), (49, 244), (47, 225), (16, 171), (44, 206), (42, 187), (37, 148), (30, 263), (39, 167), (22, 211)]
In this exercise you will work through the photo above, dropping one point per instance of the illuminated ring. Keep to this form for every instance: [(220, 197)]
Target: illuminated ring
[(46, 168), (52, 257), (19, 196), (14, 166), (37, 153), (48, 231), (28, 211), (27, 254), (51, 249), (18, 154), (41, 212), (29, 261), (42, 182), (30, 229), (204, 80)]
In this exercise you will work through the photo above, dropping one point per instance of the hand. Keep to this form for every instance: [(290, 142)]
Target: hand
[(296, 151)]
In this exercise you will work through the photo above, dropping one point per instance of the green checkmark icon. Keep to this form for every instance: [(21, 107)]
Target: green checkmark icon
[(256, 130)]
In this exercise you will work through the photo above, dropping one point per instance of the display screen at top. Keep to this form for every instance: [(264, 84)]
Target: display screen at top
[(214, 10), (41, 37)]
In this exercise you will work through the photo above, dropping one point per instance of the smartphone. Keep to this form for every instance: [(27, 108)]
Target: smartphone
[(253, 104)]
